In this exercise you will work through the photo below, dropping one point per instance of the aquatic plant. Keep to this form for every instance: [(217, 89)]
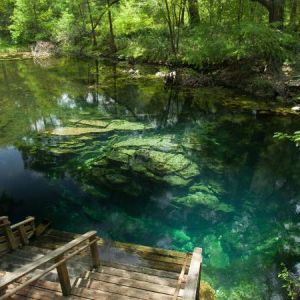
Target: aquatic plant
[(291, 282)]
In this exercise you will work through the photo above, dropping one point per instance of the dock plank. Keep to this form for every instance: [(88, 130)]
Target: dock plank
[(137, 276), (139, 284), (123, 290)]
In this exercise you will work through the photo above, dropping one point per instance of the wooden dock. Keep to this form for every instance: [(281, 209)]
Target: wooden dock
[(63, 265)]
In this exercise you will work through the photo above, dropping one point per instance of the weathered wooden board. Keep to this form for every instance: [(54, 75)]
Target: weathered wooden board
[(137, 276)]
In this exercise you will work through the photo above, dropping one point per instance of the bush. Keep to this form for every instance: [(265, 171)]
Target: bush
[(213, 45)]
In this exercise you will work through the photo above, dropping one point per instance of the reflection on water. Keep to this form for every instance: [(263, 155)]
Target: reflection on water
[(166, 167)]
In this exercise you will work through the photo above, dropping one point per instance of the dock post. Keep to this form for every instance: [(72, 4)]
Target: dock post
[(63, 276), (5, 226), (192, 286), (94, 251), (23, 235)]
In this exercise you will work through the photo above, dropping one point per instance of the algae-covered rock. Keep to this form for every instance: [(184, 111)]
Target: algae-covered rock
[(151, 158), (206, 195), (99, 126), (141, 156), (208, 200), (68, 131), (162, 143), (116, 124)]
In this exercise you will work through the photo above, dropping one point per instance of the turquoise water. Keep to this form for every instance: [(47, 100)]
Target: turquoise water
[(166, 167)]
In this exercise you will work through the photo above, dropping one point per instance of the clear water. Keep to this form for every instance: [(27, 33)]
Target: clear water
[(249, 222)]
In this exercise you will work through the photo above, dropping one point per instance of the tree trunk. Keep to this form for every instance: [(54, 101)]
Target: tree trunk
[(111, 29), (170, 26), (92, 24), (194, 12), (275, 9), (182, 12), (293, 13)]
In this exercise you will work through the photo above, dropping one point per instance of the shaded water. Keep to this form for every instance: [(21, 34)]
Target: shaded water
[(179, 170)]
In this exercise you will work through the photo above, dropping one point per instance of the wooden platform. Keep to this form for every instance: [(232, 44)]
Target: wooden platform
[(126, 271)]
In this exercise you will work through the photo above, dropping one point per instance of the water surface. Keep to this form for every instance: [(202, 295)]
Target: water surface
[(178, 169)]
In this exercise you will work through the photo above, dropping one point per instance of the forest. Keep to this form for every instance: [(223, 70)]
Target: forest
[(189, 32), (171, 124)]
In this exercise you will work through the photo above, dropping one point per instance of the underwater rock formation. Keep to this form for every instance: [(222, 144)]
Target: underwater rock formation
[(105, 126), (146, 157), (206, 195)]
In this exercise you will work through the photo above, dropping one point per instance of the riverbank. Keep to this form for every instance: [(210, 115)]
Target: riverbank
[(247, 76), (281, 86), (252, 76)]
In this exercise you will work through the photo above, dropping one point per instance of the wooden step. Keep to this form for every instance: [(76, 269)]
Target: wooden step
[(136, 276), (141, 269), (123, 290), (84, 293), (135, 283)]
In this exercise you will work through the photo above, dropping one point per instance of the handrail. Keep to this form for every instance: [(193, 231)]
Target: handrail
[(10, 230), (191, 290), (22, 223), (60, 264)]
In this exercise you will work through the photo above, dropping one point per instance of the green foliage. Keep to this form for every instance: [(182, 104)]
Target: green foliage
[(6, 10), (32, 20), (291, 283), (149, 31), (214, 44), (295, 137)]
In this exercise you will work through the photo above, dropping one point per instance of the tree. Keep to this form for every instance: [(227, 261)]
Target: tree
[(111, 28), (194, 12), (6, 10), (275, 9), (32, 20)]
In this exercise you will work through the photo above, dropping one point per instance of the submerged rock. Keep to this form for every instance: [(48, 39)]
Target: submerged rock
[(116, 124), (206, 195), (148, 158), (104, 126), (65, 131)]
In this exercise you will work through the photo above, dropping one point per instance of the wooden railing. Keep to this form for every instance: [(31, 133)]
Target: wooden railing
[(192, 286), (11, 237), (58, 257)]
